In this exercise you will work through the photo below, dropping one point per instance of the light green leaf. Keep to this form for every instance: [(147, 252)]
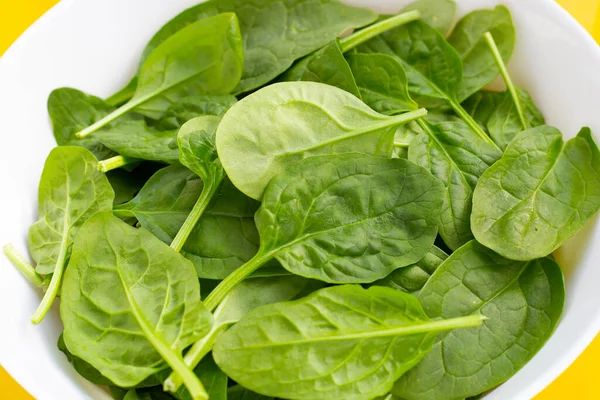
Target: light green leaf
[(194, 106), (439, 14)]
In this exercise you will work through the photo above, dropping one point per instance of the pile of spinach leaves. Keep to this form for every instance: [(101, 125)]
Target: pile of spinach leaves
[(275, 208)]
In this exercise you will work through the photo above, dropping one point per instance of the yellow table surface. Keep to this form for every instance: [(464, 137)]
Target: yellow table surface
[(580, 381)]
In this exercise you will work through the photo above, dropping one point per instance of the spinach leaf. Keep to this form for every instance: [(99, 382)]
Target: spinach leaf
[(523, 300), (149, 298), (213, 379), (479, 67), (457, 157), (154, 393), (411, 279), (538, 195), (275, 33), (135, 139), (82, 367), (344, 218), (194, 106), (382, 83), (238, 392), (247, 296), (71, 191), (439, 14), (196, 140), (70, 111), (331, 344), (504, 123), (125, 185), (224, 238), (433, 67), (286, 122), (202, 58), (482, 104), (328, 65)]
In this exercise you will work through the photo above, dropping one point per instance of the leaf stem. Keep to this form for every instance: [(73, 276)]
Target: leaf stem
[(505, 75), (228, 284), (464, 115), (123, 95), (22, 265), (401, 144), (208, 191), (361, 36), (114, 163), (119, 112)]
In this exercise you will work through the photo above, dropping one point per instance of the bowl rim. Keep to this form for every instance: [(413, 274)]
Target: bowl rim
[(19, 371)]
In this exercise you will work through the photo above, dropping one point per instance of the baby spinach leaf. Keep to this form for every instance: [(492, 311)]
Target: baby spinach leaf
[(504, 123), (247, 296), (71, 191), (482, 104), (344, 218), (238, 392), (202, 58), (523, 300), (82, 367), (149, 298), (135, 139), (286, 122), (439, 14), (194, 106), (457, 157), (196, 141), (331, 344), (275, 32), (382, 83), (467, 38), (411, 279), (539, 194)]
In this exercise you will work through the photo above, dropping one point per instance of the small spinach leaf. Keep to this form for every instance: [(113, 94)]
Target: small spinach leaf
[(331, 344), (149, 298), (194, 106), (523, 301), (71, 191), (457, 157), (202, 58), (286, 122), (539, 194), (482, 104)]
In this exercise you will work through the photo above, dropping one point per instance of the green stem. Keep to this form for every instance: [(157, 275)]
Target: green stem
[(359, 37), (208, 191), (505, 75), (123, 95), (193, 357), (401, 144), (228, 284), (22, 265), (464, 115), (114, 163)]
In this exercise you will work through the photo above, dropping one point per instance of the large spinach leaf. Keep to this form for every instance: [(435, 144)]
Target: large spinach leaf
[(344, 218), (411, 279), (275, 33), (247, 296), (538, 195), (468, 39), (191, 107), (523, 301), (458, 157), (340, 342), (149, 298), (202, 58), (71, 190), (286, 122)]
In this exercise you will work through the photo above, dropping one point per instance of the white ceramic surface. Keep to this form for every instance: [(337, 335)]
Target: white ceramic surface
[(94, 45)]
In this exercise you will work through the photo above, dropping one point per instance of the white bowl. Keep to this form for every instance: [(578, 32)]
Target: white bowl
[(94, 45)]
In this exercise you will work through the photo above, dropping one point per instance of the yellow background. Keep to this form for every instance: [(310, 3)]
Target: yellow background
[(580, 381)]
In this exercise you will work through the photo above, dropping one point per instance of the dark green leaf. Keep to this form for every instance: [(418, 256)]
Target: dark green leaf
[(194, 106), (125, 185), (481, 105), (523, 301), (240, 393), (539, 194)]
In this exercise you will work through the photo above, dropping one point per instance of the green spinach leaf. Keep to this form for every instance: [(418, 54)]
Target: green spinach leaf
[(191, 107), (457, 157), (149, 298), (344, 218), (331, 344), (411, 279), (71, 191), (538, 195), (439, 14), (205, 57), (286, 122), (213, 379), (238, 392), (468, 39), (482, 104), (523, 301)]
